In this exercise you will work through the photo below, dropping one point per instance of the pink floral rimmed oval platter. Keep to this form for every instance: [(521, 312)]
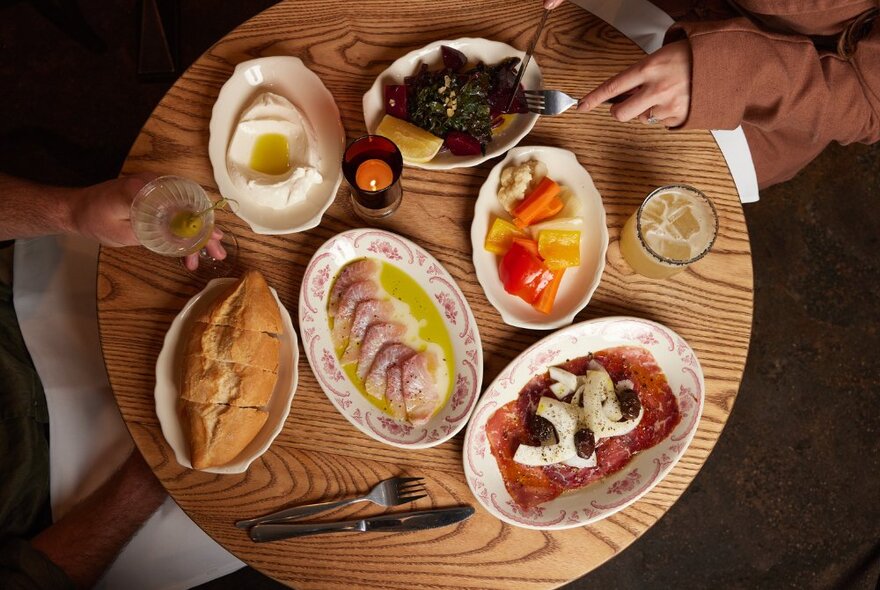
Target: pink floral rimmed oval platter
[(618, 490), (457, 317)]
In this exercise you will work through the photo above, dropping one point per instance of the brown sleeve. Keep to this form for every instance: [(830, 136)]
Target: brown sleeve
[(743, 74)]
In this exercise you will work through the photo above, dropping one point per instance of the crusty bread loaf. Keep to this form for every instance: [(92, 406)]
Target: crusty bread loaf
[(246, 305), (230, 368), (225, 343), (218, 433), (208, 381)]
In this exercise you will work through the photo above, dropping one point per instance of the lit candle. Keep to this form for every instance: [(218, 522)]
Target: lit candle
[(374, 175)]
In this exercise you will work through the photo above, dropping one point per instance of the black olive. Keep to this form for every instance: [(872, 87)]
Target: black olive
[(542, 431), (585, 443), (629, 403)]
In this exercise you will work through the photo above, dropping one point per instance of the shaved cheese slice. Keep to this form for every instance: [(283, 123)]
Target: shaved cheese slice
[(564, 418), (568, 380), (559, 390)]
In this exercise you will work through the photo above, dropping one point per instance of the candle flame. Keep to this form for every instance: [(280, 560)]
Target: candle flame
[(373, 185)]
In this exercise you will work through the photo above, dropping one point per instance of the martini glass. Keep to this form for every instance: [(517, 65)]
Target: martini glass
[(173, 216)]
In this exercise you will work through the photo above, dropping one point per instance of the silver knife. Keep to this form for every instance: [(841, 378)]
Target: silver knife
[(402, 521), (527, 58)]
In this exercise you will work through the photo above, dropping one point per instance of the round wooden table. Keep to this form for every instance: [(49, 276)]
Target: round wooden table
[(319, 455)]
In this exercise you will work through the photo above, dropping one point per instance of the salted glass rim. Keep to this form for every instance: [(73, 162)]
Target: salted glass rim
[(686, 188)]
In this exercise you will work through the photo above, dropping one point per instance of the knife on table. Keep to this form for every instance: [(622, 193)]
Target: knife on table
[(401, 521), (527, 58)]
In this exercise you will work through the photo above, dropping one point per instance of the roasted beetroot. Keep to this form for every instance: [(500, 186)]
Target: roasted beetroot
[(503, 77), (453, 59), (498, 100), (395, 101), (462, 144)]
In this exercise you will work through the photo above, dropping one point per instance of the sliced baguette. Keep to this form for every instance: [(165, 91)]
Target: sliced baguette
[(218, 433), (246, 305), (210, 381), (225, 343), (230, 368)]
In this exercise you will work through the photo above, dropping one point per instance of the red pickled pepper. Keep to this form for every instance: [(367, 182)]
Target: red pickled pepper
[(523, 273), (545, 300)]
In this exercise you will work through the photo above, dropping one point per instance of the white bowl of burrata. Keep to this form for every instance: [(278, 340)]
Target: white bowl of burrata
[(276, 145)]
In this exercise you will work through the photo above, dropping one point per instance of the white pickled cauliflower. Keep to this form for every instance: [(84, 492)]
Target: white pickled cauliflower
[(518, 181)]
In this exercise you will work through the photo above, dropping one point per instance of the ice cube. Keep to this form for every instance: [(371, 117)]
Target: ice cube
[(676, 250), (683, 223)]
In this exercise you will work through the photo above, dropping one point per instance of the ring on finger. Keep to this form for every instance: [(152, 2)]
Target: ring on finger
[(652, 120)]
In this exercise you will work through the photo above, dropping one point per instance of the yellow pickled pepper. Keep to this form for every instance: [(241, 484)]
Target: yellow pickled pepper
[(560, 248), (501, 236)]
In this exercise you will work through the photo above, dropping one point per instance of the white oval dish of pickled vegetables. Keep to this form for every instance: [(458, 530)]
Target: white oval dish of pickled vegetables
[(399, 317), (579, 282)]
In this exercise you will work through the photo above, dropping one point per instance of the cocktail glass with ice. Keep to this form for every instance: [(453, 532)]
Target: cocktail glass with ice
[(674, 227)]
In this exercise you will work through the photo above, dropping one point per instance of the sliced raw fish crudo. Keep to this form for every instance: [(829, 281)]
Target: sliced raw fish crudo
[(394, 392), (355, 293), (393, 354), (385, 340), (377, 337), (359, 270), (367, 313), (420, 391)]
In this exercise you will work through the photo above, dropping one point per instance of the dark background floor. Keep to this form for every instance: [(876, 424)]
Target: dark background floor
[(790, 497)]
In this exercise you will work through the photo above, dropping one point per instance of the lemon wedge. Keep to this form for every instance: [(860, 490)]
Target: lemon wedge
[(415, 144)]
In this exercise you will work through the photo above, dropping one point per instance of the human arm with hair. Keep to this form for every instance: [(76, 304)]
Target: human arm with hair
[(101, 212)]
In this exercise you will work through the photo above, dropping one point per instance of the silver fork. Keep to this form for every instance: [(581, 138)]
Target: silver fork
[(389, 492), (556, 102), (548, 102)]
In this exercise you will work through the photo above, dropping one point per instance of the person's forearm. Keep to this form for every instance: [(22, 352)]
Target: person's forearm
[(87, 540), (28, 209)]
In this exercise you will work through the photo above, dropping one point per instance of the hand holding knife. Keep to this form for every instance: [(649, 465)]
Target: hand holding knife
[(527, 58)]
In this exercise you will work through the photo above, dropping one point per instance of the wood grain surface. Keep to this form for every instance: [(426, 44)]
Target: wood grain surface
[(319, 455)]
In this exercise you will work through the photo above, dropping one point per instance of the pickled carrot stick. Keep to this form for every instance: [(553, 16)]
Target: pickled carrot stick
[(542, 203)]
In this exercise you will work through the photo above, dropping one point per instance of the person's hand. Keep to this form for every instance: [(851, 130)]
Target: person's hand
[(214, 249), (658, 88), (103, 211)]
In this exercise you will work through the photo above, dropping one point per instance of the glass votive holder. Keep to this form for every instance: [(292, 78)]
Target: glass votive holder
[(372, 166)]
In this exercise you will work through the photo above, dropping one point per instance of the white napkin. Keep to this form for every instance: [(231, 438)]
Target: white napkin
[(646, 25), (54, 294)]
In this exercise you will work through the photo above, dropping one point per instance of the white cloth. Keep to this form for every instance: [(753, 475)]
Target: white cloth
[(646, 25), (54, 294)]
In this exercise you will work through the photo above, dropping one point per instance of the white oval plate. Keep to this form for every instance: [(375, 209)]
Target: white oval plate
[(579, 283), (169, 373), (452, 305), (617, 491), (489, 52), (287, 77)]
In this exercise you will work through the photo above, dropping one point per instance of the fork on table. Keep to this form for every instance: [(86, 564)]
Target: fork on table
[(556, 102), (389, 492)]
